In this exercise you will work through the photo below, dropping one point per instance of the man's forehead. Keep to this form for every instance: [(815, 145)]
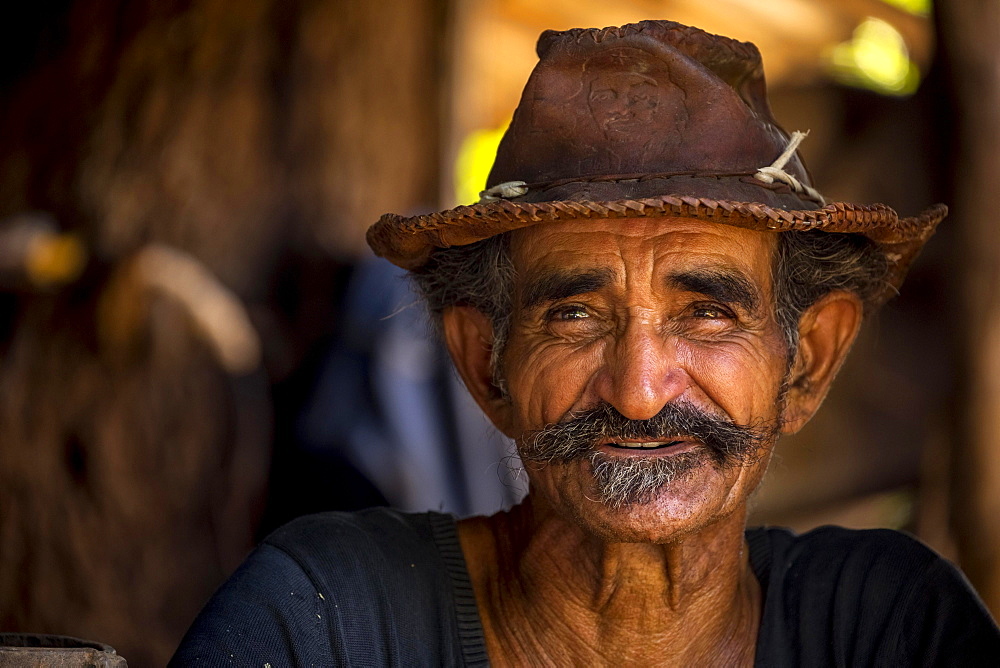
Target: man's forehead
[(730, 265), (613, 245)]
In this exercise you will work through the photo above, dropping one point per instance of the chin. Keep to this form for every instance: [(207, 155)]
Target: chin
[(700, 498)]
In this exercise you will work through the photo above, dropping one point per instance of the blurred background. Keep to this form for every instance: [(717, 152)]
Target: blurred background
[(196, 344)]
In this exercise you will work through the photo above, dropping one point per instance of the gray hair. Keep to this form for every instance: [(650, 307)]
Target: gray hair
[(480, 275), (807, 266), (810, 265)]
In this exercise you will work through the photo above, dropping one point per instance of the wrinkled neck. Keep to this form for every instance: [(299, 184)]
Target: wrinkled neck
[(544, 583)]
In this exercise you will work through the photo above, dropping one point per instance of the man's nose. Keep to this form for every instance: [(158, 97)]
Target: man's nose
[(641, 372), (620, 107)]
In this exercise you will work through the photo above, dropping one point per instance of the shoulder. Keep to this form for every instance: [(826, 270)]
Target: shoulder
[(361, 541), (822, 548), (870, 595), (839, 537), (877, 565), (379, 563), (338, 588)]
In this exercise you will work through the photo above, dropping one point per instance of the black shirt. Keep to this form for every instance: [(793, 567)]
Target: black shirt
[(383, 588)]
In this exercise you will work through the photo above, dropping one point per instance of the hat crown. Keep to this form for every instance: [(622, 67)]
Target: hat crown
[(649, 120), (654, 97)]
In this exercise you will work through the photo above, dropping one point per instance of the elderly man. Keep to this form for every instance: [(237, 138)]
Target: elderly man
[(649, 294)]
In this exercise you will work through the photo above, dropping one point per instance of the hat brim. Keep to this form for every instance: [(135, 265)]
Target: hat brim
[(408, 241)]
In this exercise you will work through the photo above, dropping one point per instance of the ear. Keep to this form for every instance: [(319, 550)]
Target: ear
[(469, 337), (827, 330)]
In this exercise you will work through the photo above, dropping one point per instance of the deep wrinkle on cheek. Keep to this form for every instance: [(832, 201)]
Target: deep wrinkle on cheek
[(554, 378), (743, 384)]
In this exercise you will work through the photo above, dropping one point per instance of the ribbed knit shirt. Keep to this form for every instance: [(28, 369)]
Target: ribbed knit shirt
[(384, 588)]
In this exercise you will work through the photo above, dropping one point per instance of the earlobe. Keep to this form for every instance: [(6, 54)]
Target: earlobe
[(469, 337), (827, 330)]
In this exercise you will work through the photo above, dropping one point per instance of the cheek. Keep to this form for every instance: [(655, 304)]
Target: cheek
[(742, 378), (547, 380)]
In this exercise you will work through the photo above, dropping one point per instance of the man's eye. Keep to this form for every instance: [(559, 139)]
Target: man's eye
[(568, 313), (711, 312)]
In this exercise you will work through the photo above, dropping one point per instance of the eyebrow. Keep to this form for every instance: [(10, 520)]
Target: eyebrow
[(724, 285), (553, 285)]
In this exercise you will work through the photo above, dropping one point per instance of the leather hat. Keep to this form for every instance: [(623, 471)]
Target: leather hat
[(652, 119)]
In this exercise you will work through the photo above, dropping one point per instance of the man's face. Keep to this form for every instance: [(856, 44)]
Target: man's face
[(623, 102), (625, 318)]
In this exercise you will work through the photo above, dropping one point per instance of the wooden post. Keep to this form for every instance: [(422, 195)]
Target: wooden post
[(968, 32)]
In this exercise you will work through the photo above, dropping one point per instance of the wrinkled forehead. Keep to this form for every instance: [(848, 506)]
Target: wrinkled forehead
[(632, 249)]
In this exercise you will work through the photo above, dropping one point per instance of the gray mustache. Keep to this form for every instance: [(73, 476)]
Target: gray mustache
[(575, 438)]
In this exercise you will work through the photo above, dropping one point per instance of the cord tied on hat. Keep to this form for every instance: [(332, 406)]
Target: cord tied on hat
[(776, 170), (505, 190)]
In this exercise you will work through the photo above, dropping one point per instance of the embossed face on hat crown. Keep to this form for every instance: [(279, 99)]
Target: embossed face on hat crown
[(631, 105), (623, 94), (622, 101)]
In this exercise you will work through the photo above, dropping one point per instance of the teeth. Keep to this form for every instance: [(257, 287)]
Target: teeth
[(654, 444)]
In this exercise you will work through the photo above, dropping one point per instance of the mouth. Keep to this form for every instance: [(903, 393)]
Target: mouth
[(622, 122), (644, 445), (660, 448)]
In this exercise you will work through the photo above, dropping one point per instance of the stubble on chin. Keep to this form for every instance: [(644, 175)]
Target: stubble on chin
[(634, 481)]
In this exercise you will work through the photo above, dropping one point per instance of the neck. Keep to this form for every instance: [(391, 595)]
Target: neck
[(548, 590)]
